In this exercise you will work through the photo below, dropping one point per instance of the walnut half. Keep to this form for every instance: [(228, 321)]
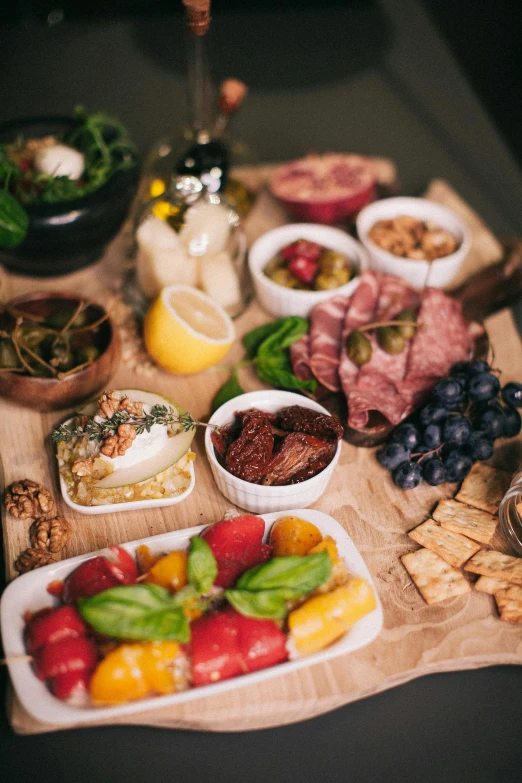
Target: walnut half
[(51, 534), (117, 445), (27, 499), (32, 558)]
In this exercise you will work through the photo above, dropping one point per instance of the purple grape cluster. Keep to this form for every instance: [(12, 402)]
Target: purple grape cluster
[(458, 426)]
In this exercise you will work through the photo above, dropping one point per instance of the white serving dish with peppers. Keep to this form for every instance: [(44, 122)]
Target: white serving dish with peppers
[(28, 593)]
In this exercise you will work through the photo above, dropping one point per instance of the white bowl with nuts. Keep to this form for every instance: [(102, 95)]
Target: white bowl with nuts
[(414, 238)]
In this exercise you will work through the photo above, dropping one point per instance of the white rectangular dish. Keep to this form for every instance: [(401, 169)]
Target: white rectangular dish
[(28, 593), (132, 505)]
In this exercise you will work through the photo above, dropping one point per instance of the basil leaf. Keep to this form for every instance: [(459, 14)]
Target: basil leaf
[(302, 573), (253, 339), (201, 567), (143, 612), (232, 388), (290, 330), (277, 371), (264, 604), (14, 221)]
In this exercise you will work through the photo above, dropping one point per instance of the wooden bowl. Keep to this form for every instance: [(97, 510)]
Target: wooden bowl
[(48, 394)]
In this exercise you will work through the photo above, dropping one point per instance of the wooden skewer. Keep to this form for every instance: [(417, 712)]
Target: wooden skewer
[(16, 659)]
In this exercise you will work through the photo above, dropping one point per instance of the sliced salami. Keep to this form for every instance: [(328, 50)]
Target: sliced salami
[(444, 339), (326, 325), (300, 358)]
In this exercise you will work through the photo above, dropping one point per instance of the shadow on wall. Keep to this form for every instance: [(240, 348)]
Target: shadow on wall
[(298, 48)]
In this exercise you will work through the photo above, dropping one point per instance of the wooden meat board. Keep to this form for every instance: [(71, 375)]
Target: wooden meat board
[(417, 639)]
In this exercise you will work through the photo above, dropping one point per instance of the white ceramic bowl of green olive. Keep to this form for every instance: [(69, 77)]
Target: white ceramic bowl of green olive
[(336, 268)]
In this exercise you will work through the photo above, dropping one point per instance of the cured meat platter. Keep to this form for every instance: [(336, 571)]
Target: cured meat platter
[(416, 639)]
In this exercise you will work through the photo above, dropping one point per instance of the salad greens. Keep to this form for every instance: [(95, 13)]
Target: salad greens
[(107, 149), (267, 351)]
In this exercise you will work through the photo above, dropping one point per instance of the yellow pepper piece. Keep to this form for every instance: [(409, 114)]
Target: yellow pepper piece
[(157, 187), (326, 545), (324, 618), (134, 671), (293, 536), (170, 571)]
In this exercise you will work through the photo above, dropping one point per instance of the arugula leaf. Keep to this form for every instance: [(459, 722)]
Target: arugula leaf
[(302, 573), (144, 612), (201, 567), (232, 388), (14, 221), (264, 604), (277, 371)]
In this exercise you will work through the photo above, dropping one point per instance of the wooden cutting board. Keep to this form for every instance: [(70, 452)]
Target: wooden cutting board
[(417, 639)]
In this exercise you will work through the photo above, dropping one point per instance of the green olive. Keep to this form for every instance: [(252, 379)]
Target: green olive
[(406, 315), (8, 355), (359, 348), (332, 261), (390, 339), (87, 353), (273, 266), (285, 278), (326, 281)]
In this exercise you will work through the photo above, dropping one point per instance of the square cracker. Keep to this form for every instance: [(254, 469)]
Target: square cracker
[(509, 604), (471, 522), (452, 547), (486, 584), (484, 487), (489, 562), (435, 579)]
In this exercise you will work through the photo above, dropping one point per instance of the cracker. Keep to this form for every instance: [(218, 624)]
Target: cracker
[(484, 487), (489, 562), (509, 604), (452, 547), (435, 579), (486, 584), (471, 522)]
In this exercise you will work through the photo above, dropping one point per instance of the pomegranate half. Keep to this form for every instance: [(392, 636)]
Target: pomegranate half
[(324, 188)]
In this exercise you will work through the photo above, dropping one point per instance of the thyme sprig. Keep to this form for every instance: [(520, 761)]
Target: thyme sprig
[(98, 430)]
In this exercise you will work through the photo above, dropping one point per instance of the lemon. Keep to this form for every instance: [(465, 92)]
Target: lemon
[(185, 331)]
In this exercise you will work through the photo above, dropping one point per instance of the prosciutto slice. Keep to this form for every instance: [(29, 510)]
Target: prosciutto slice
[(326, 325)]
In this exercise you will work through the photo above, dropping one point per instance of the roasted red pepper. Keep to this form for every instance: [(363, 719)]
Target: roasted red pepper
[(50, 626), (305, 269), (69, 655), (100, 573), (303, 248), (237, 545), (225, 644)]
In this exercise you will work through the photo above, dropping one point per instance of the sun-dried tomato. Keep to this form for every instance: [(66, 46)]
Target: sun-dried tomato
[(248, 457), (296, 418)]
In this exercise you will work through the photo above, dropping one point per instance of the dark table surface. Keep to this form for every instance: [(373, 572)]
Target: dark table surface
[(372, 77)]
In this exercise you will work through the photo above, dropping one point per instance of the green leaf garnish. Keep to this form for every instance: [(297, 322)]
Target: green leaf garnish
[(298, 572), (144, 612), (202, 566), (14, 221), (232, 388), (269, 604)]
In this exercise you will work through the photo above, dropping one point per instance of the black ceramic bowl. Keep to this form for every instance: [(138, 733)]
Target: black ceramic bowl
[(70, 235)]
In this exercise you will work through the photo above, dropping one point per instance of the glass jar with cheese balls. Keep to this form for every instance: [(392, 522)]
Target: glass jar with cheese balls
[(190, 236), (510, 513)]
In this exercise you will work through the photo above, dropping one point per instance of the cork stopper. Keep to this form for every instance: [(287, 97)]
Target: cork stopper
[(197, 14)]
